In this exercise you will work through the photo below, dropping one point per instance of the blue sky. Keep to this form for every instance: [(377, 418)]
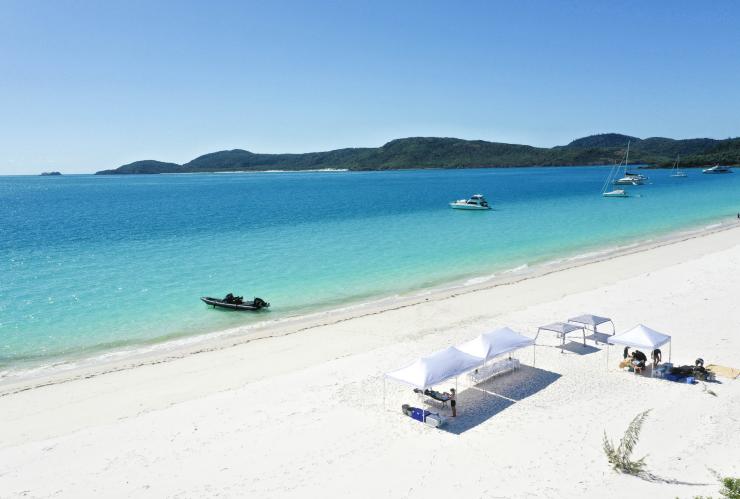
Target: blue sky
[(88, 85)]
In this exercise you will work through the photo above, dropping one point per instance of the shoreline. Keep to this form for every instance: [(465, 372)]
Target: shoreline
[(308, 415), (139, 355)]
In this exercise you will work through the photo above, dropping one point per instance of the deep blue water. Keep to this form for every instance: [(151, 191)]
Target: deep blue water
[(94, 262)]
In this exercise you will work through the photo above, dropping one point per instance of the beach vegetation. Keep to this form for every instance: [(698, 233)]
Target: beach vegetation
[(730, 488), (620, 457)]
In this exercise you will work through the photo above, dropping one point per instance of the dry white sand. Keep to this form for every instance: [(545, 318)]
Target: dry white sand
[(301, 415)]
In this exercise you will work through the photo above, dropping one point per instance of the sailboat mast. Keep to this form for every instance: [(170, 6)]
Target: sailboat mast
[(627, 159)]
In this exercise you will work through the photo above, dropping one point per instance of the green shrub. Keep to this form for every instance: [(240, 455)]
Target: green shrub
[(730, 488)]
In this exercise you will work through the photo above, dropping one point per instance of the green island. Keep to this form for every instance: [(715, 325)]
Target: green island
[(436, 152)]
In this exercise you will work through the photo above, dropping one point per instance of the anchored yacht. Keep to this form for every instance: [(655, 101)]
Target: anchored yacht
[(476, 202), (717, 169)]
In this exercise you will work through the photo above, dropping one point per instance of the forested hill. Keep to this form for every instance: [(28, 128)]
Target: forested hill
[(433, 152)]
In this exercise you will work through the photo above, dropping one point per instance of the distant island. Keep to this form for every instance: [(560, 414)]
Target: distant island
[(47, 174), (435, 152)]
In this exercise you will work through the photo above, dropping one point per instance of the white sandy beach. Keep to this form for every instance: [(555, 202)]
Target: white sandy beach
[(301, 415)]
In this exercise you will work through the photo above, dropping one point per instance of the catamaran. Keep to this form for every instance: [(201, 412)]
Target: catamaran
[(676, 171)]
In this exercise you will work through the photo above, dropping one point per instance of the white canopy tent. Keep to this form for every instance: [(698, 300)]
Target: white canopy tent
[(594, 321), (640, 336), (562, 328), (435, 368), (494, 343)]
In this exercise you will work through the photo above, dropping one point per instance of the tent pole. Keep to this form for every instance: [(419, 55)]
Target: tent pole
[(596, 338), (670, 344), (534, 354), (607, 357), (384, 406)]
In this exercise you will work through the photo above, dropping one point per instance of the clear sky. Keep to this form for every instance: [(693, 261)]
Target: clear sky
[(89, 85)]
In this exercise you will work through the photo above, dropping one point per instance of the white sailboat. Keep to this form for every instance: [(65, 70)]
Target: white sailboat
[(676, 171), (612, 179), (629, 178)]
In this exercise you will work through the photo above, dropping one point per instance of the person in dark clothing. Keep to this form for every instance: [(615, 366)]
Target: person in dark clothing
[(453, 402), (626, 352), (638, 360), (657, 357)]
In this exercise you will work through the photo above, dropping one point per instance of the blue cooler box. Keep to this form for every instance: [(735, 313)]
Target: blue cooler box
[(418, 414)]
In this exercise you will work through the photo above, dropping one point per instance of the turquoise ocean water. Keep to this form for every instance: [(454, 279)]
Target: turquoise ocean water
[(91, 263)]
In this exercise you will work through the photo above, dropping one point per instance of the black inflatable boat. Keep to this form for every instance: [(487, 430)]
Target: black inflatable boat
[(235, 303)]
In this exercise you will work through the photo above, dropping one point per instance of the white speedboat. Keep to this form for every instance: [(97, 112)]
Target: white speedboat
[(717, 169), (616, 193), (476, 202)]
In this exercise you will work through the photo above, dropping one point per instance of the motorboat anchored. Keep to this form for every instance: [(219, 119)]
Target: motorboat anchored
[(717, 169), (476, 202), (232, 302)]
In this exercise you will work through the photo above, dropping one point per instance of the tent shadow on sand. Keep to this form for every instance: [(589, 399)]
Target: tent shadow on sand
[(598, 337), (483, 401), (579, 348)]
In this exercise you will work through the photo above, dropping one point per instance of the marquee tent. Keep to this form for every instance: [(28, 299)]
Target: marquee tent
[(436, 368), (497, 342)]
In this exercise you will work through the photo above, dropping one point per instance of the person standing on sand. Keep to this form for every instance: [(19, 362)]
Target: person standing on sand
[(453, 403)]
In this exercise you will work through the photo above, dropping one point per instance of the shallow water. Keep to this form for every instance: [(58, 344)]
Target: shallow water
[(89, 263)]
